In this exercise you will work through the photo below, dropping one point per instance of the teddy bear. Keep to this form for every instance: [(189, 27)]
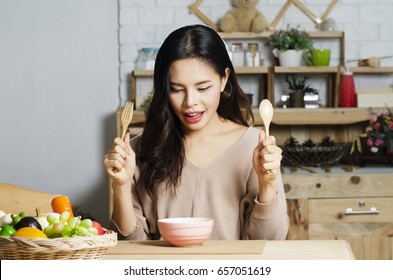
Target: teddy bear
[(244, 17)]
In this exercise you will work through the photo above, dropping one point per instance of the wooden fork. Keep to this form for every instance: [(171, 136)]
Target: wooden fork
[(126, 117)]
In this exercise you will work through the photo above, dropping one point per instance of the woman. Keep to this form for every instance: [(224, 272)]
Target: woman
[(197, 155)]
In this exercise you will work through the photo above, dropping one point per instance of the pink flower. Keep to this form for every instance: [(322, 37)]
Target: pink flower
[(377, 126), (370, 142), (380, 112), (374, 150), (369, 129), (378, 142), (373, 118)]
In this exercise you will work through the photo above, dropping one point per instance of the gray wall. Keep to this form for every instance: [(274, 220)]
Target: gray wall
[(59, 77)]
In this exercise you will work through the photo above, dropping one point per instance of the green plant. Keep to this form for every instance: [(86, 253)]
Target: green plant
[(295, 84), (290, 38)]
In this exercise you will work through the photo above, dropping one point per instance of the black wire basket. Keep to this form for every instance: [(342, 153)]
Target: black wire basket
[(317, 156)]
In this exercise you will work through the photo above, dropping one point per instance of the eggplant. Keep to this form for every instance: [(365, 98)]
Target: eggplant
[(28, 221)]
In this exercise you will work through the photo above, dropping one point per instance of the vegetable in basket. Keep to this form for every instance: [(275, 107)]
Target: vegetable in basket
[(28, 221), (60, 204), (7, 231)]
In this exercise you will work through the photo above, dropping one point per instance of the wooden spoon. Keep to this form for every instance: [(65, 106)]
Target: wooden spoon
[(266, 112)]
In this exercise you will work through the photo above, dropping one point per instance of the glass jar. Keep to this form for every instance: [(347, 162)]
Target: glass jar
[(252, 55), (146, 58), (237, 54)]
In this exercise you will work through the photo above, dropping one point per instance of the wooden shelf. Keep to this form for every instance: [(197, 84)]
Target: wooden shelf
[(300, 116), (307, 69), (251, 70), (320, 116), (251, 35), (326, 34), (244, 35), (370, 70), (142, 73)]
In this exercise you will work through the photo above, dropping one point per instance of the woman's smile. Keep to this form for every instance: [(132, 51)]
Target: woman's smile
[(193, 117)]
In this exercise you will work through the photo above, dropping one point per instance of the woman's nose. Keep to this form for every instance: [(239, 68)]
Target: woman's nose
[(190, 98)]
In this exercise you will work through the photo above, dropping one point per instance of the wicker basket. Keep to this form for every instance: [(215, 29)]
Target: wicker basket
[(315, 156), (20, 248)]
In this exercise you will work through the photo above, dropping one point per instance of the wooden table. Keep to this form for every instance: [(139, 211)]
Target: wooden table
[(234, 249)]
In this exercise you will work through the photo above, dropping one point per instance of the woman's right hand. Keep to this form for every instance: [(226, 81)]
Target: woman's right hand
[(119, 161)]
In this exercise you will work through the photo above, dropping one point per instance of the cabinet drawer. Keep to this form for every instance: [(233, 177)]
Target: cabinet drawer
[(366, 209), (338, 185)]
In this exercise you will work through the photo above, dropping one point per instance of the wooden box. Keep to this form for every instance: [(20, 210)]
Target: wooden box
[(375, 97)]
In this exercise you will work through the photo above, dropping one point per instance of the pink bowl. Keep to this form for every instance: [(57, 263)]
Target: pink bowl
[(183, 232)]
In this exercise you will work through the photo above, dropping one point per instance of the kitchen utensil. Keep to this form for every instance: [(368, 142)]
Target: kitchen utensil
[(126, 117), (373, 61), (266, 112), (183, 232)]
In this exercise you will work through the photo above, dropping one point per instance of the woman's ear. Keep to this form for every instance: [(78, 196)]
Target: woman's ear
[(224, 79)]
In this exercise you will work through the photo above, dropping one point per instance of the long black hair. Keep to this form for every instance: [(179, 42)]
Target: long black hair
[(161, 152)]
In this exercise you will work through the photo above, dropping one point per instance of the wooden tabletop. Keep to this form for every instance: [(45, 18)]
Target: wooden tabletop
[(234, 249)]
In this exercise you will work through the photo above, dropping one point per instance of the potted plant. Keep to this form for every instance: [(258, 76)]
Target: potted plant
[(298, 88), (289, 45)]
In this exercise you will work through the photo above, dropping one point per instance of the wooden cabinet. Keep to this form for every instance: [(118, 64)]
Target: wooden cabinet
[(352, 206)]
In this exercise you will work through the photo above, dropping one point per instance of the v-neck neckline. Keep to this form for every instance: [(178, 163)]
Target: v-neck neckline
[(212, 161)]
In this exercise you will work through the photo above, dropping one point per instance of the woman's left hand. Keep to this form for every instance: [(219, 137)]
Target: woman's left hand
[(267, 158)]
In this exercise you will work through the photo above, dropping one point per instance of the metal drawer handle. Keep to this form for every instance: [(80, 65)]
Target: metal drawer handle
[(372, 211)]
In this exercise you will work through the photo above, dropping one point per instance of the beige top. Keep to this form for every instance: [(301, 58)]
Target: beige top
[(224, 189)]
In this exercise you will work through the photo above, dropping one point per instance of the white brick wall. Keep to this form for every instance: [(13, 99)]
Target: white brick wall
[(368, 27)]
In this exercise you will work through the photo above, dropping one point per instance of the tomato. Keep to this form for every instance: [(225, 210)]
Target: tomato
[(99, 228)]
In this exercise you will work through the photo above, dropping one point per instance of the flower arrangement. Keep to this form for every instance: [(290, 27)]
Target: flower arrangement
[(290, 38), (379, 132)]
